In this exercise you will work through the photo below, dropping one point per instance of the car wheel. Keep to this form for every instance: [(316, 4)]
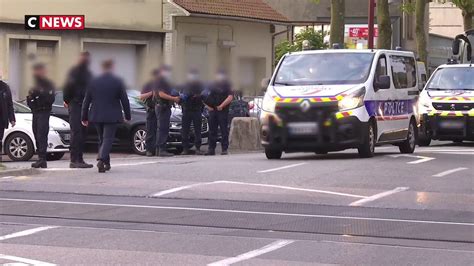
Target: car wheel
[(424, 141), (178, 150), (138, 140), (408, 146), (55, 156), (273, 154), (19, 147), (367, 148)]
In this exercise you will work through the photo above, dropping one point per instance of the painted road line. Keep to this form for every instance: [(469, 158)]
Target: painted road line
[(292, 188), (421, 159), (378, 196), (280, 168), (254, 253), (176, 189), (27, 232), (240, 212), (7, 177), (448, 172), (113, 165), (24, 261)]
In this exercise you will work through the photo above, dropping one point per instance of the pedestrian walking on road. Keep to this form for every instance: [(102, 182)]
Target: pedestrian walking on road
[(164, 99), (151, 123), (217, 102), (40, 99), (192, 106), (74, 93), (7, 115), (106, 97)]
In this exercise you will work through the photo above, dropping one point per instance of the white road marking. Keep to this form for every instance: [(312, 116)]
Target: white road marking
[(448, 172), (24, 261), (26, 232), (240, 211), (421, 159), (113, 165), (280, 168), (292, 188), (252, 254), (378, 196), (7, 177), (176, 189)]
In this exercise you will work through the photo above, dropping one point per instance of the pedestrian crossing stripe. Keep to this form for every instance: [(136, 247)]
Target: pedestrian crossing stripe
[(451, 113), (340, 115), (452, 98)]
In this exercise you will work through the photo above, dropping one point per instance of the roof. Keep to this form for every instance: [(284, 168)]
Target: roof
[(360, 51), (244, 9), (456, 66)]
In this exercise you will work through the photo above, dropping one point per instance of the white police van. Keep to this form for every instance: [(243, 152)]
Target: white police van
[(446, 105), (330, 100)]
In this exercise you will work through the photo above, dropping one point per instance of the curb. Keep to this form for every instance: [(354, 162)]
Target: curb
[(18, 172)]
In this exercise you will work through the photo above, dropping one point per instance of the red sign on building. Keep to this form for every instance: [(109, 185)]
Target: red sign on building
[(361, 32)]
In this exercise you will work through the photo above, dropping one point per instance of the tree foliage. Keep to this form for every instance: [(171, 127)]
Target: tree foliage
[(384, 40), (315, 38)]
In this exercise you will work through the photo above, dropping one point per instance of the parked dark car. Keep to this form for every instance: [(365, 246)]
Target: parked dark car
[(133, 132)]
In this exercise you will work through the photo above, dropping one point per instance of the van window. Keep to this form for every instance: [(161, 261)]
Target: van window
[(381, 69), (324, 69), (403, 71)]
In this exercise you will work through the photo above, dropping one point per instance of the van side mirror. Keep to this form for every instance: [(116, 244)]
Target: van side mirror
[(265, 82), (382, 83), (456, 44)]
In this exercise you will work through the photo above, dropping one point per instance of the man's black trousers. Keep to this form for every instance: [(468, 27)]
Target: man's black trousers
[(78, 133), (41, 131), (106, 132), (218, 120), (194, 118)]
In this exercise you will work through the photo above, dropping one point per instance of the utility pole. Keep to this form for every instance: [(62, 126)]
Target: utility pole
[(371, 23)]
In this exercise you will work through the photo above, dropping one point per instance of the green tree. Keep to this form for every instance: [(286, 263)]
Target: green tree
[(315, 38), (384, 40), (338, 10)]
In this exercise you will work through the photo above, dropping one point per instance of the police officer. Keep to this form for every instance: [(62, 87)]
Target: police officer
[(217, 102), (164, 99), (192, 106), (147, 97), (105, 104), (7, 115), (74, 92), (40, 99)]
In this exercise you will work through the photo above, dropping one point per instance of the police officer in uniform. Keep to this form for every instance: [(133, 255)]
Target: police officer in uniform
[(7, 114), (217, 102), (164, 99), (147, 97), (74, 92), (40, 99), (192, 106)]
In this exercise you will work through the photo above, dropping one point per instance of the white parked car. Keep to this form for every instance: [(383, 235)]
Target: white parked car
[(19, 142)]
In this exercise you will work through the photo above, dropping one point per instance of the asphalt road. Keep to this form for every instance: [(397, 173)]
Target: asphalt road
[(305, 209)]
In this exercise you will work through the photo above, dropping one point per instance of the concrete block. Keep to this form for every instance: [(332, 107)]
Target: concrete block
[(245, 134)]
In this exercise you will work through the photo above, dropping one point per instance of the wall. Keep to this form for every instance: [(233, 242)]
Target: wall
[(244, 42), (16, 46), (142, 15), (446, 20)]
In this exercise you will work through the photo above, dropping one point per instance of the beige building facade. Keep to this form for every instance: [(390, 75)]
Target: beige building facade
[(128, 31), (446, 19)]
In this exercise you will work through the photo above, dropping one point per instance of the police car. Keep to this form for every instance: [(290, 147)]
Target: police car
[(19, 141), (331, 100), (446, 105)]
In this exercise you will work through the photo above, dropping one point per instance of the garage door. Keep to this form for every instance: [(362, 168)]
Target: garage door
[(124, 55)]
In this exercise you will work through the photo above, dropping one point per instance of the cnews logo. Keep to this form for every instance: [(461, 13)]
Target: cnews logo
[(54, 22)]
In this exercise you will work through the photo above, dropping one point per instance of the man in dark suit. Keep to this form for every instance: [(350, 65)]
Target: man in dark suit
[(106, 97), (151, 123), (74, 92), (7, 114)]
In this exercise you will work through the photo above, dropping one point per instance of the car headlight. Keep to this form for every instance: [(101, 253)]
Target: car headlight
[(268, 104), (353, 100), (424, 101)]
